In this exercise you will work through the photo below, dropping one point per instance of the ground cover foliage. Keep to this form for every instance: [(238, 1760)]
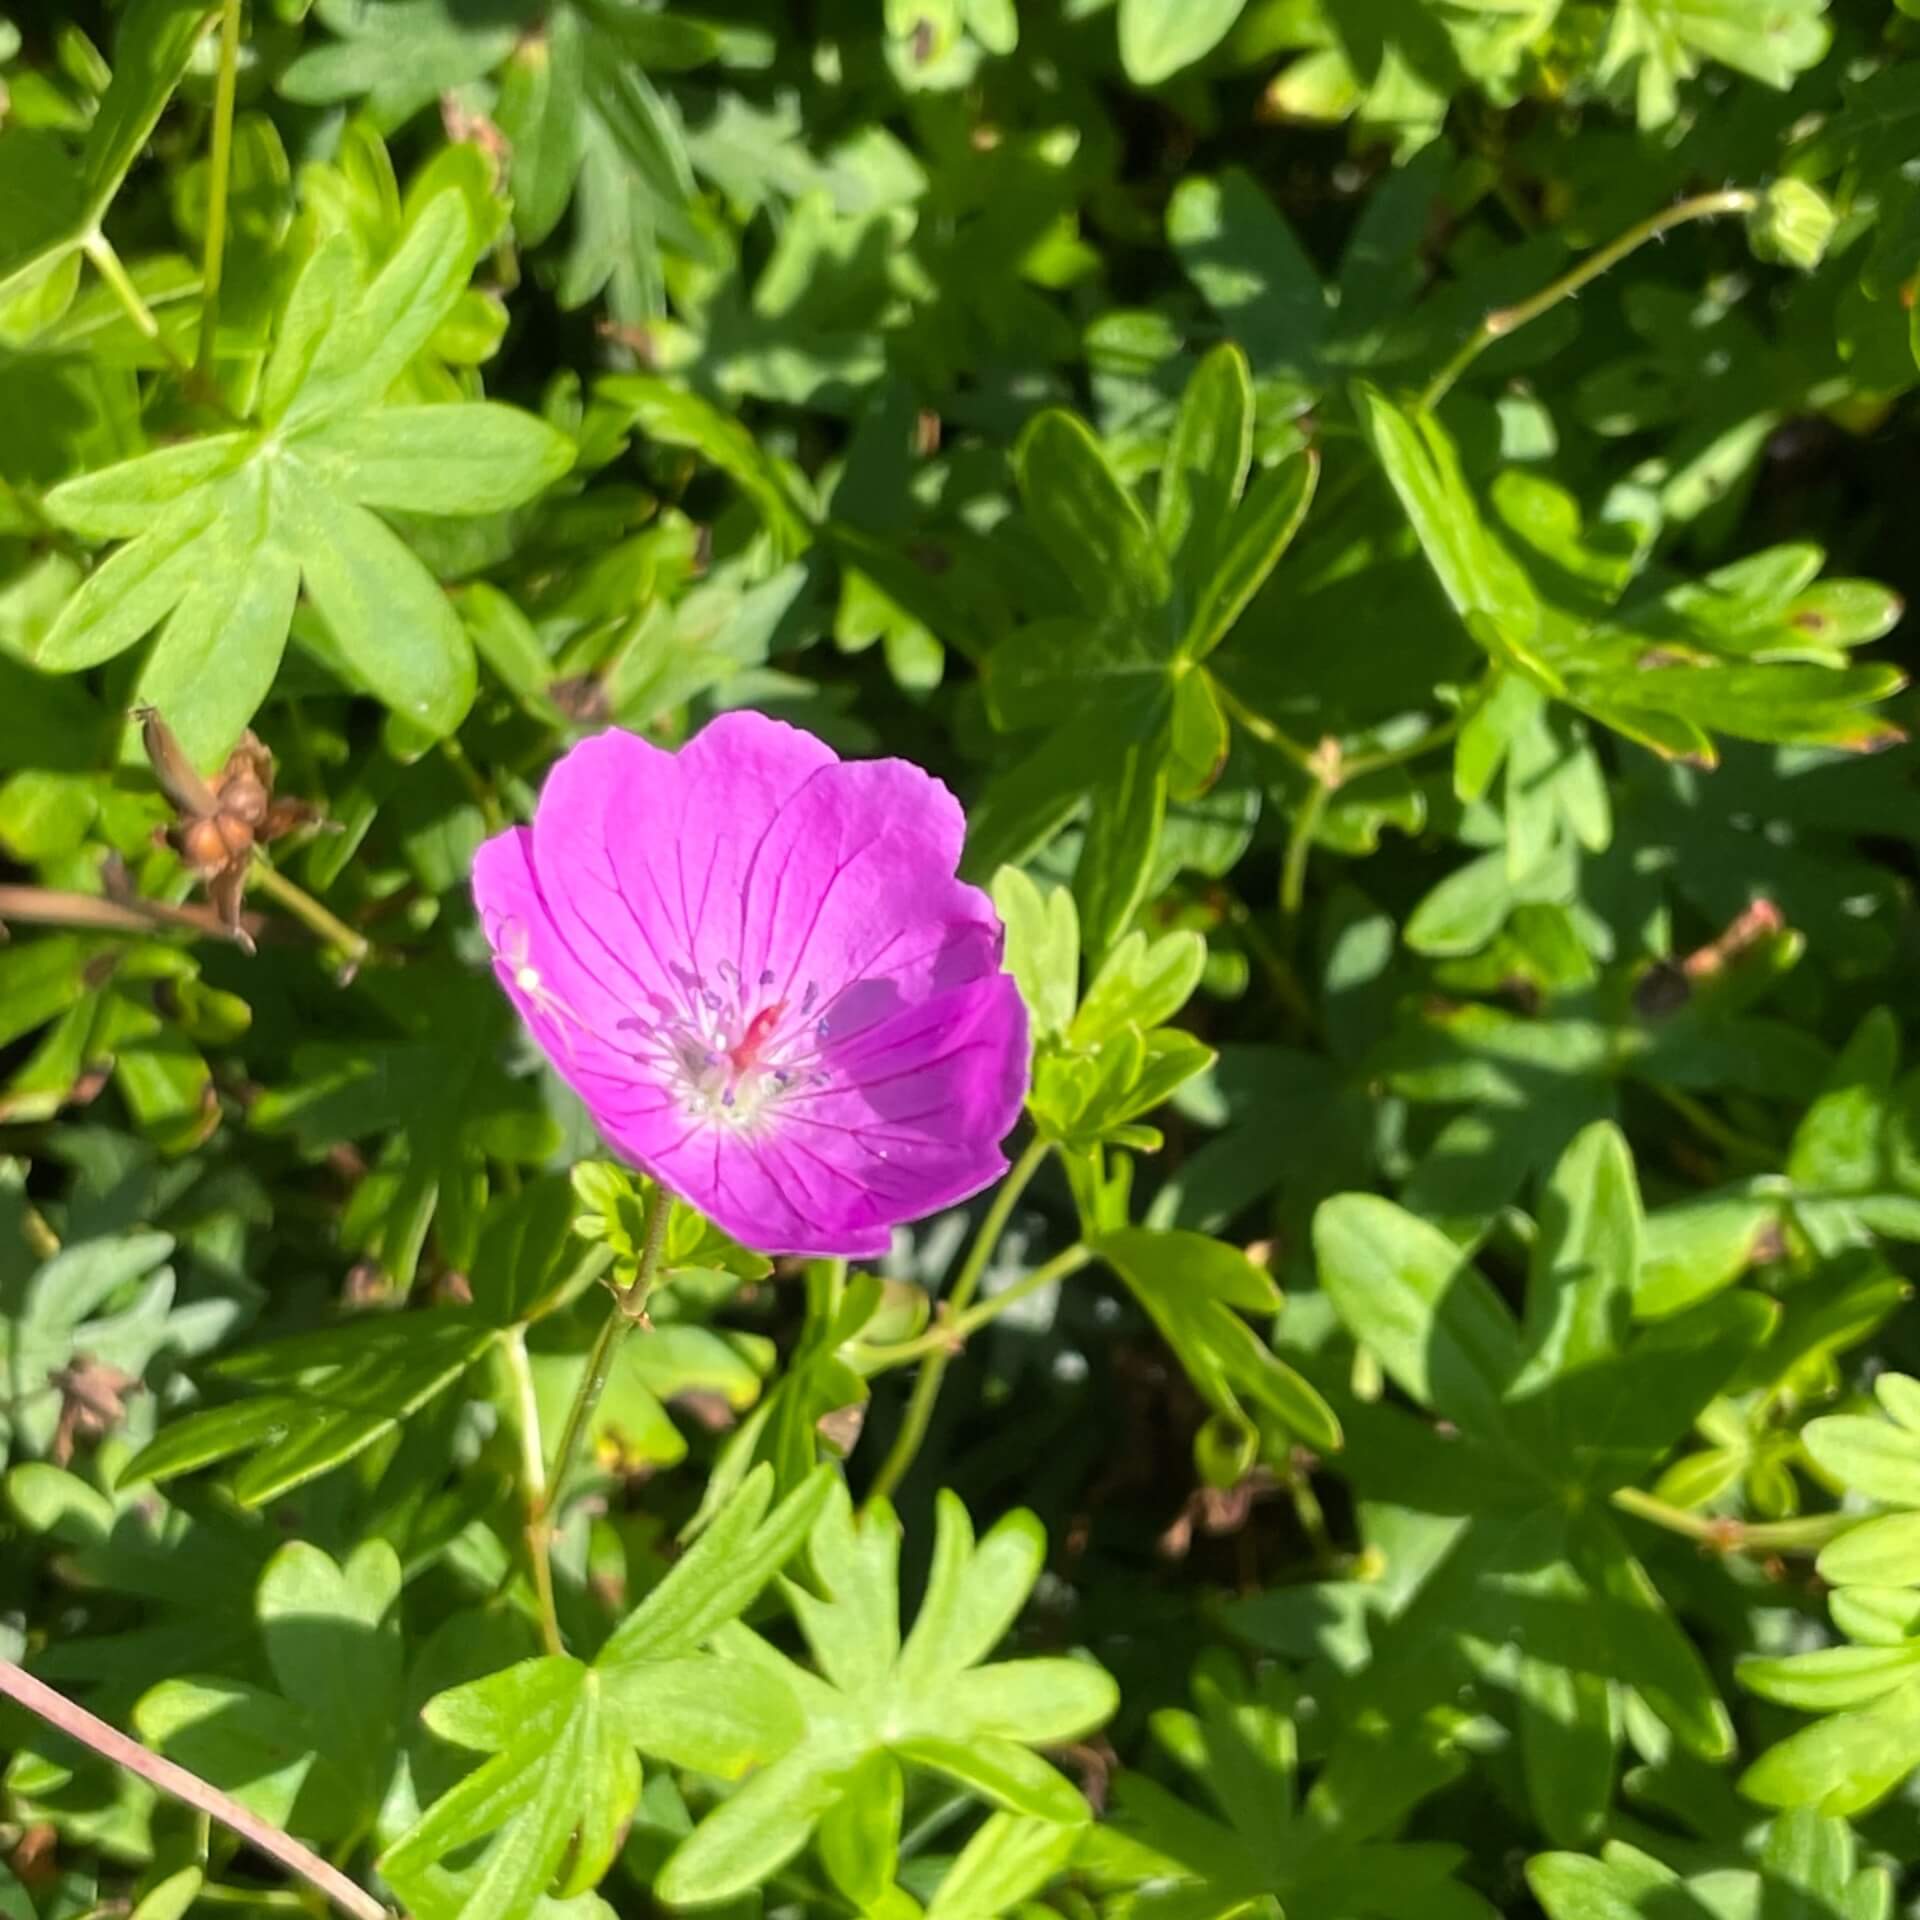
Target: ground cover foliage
[(1393, 517)]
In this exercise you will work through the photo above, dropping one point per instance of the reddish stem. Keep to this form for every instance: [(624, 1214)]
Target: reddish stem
[(75, 1721)]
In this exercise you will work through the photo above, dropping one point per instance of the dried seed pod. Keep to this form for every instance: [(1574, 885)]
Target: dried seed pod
[(219, 822)]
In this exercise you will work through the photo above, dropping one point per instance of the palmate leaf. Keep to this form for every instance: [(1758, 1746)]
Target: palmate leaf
[(1808, 1869), (1662, 43), (1328, 1851), (583, 121), (1131, 716), (1868, 1741), (317, 1400), (563, 1735), (1755, 650), (588, 127), (220, 533), (102, 1302), (428, 1084), (401, 55), (1539, 1591), (879, 1703), (192, 1575), (315, 1749)]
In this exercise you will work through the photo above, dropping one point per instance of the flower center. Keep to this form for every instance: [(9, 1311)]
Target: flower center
[(731, 1053)]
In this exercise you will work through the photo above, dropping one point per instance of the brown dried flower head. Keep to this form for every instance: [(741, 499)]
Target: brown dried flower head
[(219, 822)]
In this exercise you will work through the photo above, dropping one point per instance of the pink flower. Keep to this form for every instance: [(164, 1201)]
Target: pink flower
[(753, 962)]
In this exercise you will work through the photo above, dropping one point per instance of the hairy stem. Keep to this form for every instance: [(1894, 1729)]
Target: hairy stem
[(1505, 320), (1807, 1534), (629, 1308), (78, 1724), (220, 166), (926, 1389)]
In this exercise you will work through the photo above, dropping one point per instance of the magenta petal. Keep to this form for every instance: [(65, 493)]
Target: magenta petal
[(754, 963)]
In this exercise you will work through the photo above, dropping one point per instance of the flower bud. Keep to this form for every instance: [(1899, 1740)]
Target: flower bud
[(1792, 225)]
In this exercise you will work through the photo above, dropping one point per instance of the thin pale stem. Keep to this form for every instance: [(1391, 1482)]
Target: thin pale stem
[(533, 1484), (1805, 1535), (107, 263), (1358, 765), (78, 1724), (1306, 823), (1261, 727), (926, 1389), (1505, 320), (950, 1331), (220, 165), (1708, 1124), (1279, 971), (328, 926)]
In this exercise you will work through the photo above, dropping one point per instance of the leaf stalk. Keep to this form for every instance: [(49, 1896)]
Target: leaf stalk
[(926, 1389)]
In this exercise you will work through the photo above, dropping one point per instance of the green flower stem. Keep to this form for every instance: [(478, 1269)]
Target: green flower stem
[(354, 947), (533, 1483), (629, 1310), (1279, 970), (1806, 1535), (219, 182), (77, 1723), (951, 1331), (1306, 822), (99, 249), (926, 1389), (1505, 320)]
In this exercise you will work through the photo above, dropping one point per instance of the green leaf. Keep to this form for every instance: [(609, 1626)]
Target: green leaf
[(1872, 1457), (1042, 948), (1476, 572), (327, 1398), (1249, 549), (562, 1777), (1418, 1303), (1089, 522), (219, 534), (101, 1303), (1195, 1290), (477, 458), (1208, 457), (1250, 268), (1159, 37), (1662, 43), (925, 1700), (56, 212), (1116, 860), (680, 419)]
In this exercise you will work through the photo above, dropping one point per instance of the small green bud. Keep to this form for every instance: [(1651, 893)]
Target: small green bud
[(1792, 226)]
